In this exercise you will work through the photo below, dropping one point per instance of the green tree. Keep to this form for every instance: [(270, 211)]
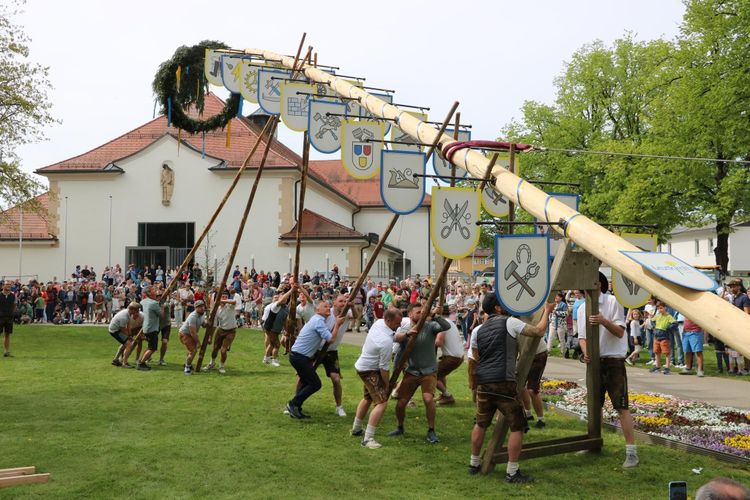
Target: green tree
[(706, 114), (24, 107), (684, 98), (604, 97)]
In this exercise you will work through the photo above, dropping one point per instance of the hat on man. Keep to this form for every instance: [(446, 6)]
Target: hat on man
[(199, 303)]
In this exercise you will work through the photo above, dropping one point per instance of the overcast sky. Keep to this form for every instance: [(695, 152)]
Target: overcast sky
[(489, 55)]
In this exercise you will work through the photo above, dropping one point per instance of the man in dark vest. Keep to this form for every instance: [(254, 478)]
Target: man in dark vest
[(274, 319), (492, 371)]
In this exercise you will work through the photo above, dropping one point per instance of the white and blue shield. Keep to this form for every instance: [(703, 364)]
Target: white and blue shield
[(629, 293), (324, 123), (212, 67), (442, 166), (568, 199), (401, 191), (231, 72), (361, 144), (401, 140), (668, 267), (295, 99), (454, 214), (522, 264), (269, 89), (366, 115)]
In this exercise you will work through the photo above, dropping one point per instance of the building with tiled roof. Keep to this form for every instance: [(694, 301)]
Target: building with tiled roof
[(107, 206)]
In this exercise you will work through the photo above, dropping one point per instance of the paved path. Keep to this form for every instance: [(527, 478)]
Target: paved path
[(714, 390)]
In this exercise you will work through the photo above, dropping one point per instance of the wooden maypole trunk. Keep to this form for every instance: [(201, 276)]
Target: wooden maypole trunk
[(712, 313)]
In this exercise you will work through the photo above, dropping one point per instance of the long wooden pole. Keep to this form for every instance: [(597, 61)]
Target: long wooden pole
[(217, 300), (291, 323), (713, 314)]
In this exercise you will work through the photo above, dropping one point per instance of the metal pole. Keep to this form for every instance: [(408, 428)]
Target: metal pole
[(65, 245), (109, 256), (403, 265), (20, 243)]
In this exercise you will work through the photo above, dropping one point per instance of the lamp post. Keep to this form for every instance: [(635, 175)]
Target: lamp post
[(403, 270), (109, 253), (20, 242), (328, 266), (290, 263), (65, 246)]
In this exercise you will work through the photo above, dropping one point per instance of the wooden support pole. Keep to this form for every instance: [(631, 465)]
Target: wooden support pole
[(215, 305), (413, 338), (715, 315), (358, 284), (593, 369), (291, 322), (512, 170)]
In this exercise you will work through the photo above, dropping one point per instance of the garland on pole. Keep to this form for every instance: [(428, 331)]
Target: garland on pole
[(175, 96)]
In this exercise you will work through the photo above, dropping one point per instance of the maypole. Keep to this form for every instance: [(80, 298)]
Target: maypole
[(715, 315)]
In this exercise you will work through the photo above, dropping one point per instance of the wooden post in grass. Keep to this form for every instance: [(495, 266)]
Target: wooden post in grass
[(21, 475), (571, 270), (215, 305)]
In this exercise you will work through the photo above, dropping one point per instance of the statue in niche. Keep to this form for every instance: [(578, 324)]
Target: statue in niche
[(167, 184)]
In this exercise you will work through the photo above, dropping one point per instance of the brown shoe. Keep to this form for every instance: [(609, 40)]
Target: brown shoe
[(449, 400)]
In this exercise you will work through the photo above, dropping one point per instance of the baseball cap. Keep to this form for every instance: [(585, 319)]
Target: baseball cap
[(199, 303)]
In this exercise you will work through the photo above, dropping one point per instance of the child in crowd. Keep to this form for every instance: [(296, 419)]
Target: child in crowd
[(634, 325), (661, 322), (77, 316), (733, 368)]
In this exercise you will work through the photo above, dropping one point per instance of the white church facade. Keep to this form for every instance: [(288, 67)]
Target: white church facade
[(109, 206)]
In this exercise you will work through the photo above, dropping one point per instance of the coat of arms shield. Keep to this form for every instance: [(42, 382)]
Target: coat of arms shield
[(402, 192)]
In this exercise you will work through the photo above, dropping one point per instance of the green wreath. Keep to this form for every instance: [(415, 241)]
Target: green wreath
[(193, 88)]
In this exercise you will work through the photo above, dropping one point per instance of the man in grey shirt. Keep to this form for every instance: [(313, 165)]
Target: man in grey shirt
[(421, 370), (152, 312)]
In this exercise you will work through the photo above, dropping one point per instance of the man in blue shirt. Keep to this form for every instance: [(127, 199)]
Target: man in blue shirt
[(302, 356)]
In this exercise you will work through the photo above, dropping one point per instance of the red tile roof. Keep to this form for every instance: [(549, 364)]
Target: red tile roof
[(243, 137), (330, 173), (315, 226), (35, 223)]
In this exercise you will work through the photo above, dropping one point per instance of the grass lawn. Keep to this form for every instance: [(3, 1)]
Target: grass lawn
[(106, 432)]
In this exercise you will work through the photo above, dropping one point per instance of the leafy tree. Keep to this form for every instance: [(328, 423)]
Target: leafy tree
[(705, 114), (24, 106), (684, 98)]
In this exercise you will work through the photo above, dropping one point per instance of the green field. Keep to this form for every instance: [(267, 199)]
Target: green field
[(106, 432)]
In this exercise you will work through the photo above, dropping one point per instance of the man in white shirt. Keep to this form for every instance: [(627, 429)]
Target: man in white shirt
[(124, 325), (451, 344), (226, 323), (613, 347), (373, 368)]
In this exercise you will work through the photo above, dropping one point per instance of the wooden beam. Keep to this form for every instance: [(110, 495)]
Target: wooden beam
[(715, 315), (17, 471), (7, 481), (215, 306), (545, 450)]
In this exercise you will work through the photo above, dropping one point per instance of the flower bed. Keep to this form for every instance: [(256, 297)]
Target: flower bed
[(722, 429)]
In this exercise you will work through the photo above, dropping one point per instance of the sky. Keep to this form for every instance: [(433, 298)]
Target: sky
[(491, 56)]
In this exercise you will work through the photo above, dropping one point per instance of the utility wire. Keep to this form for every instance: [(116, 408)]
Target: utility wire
[(635, 155)]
